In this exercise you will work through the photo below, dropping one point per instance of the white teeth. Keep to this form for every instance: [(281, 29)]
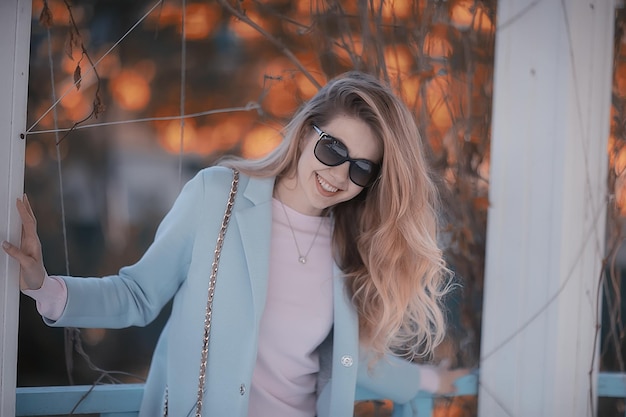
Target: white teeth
[(326, 186)]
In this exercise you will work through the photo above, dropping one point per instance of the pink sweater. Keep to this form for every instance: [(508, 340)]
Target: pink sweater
[(298, 316)]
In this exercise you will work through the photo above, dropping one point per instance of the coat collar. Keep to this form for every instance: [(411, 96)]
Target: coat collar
[(259, 190)]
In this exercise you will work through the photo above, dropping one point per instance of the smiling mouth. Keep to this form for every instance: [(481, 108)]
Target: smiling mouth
[(325, 185)]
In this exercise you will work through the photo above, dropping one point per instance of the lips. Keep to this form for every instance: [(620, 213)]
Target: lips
[(325, 185)]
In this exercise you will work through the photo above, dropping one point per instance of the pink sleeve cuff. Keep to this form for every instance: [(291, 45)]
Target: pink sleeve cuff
[(50, 298), (429, 378)]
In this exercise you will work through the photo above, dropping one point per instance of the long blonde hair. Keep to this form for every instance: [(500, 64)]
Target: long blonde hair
[(385, 239)]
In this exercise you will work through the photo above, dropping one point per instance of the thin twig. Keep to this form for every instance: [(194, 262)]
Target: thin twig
[(93, 66), (248, 107), (281, 46)]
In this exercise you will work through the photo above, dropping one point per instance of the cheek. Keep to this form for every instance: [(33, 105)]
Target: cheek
[(305, 166), (308, 163), (307, 159), (352, 191)]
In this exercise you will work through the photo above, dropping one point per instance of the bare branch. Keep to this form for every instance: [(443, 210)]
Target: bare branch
[(242, 16)]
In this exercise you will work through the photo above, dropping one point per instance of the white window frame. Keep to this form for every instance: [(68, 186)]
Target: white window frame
[(15, 26), (548, 202)]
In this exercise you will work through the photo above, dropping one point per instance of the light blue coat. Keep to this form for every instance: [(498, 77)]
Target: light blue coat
[(178, 265)]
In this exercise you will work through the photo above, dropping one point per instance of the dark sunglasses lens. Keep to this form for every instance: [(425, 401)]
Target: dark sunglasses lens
[(330, 152), (362, 172)]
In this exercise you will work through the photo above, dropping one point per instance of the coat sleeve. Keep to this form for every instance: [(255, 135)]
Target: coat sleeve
[(392, 378), (138, 293)]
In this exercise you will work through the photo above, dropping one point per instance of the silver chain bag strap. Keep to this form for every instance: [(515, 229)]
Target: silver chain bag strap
[(212, 280), (211, 294)]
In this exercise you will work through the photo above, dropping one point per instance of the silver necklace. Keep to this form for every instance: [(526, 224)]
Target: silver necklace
[(301, 257)]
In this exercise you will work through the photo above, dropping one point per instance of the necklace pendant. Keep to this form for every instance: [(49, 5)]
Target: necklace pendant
[(302, 260)]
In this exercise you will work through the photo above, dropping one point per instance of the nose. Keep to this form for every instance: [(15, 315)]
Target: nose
[(341, 174)]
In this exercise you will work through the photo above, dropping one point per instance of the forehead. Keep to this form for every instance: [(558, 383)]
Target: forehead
[(357, 135)]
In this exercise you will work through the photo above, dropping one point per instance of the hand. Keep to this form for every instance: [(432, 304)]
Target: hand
[(447, 377), (29, 255)]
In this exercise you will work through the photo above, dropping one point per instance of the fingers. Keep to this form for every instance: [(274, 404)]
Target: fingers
[(27, 204), (29, 223), (28, 254), (29, 209), (32, 272), (30, 240), (15, 252), (461, 372), (448, 378)]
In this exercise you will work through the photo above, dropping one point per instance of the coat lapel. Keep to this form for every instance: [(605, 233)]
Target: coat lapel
[(337, 396), (345, 350), (255, 227)]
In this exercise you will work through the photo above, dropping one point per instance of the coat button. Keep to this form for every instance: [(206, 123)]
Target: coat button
[(346, 360), (242, 389)]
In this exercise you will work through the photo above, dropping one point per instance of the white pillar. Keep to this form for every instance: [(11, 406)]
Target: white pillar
[(15, 18), (545, 233)]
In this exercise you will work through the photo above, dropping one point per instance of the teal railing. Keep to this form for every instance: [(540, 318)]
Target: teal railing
[(123, 400)]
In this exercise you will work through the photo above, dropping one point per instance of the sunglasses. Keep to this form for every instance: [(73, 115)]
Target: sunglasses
[(332, 152)]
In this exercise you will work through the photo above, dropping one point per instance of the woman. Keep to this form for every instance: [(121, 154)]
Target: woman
[(329, 265)]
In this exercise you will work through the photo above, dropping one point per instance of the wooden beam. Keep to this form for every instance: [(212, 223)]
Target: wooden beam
[(546, 224), (15, 18), (101, 399)]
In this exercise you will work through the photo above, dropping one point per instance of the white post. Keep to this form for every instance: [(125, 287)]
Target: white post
[(15, 18), (545, 234)]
